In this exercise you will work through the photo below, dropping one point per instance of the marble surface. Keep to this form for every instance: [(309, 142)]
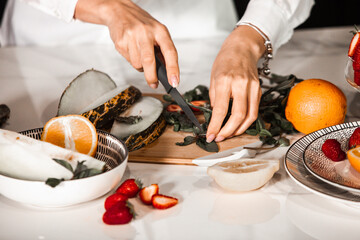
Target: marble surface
[(32, 80)]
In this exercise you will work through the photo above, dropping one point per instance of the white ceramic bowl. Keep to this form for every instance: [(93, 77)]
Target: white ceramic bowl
[(110, 150), (349, 74)]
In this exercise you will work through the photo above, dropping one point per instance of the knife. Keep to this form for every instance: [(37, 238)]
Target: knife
[(162, 76)]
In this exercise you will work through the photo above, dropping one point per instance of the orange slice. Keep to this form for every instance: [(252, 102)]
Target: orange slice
[(354, 158), (73, 132)]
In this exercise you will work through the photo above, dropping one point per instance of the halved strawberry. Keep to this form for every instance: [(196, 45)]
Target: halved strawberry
[(160, 201), (173, 108), (198, 103), (354, 140), (148, 192), (354, 44)]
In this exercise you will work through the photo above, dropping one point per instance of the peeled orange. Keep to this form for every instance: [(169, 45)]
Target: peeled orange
[(244, 174), (354, 158), (73, 132), (314, 104)]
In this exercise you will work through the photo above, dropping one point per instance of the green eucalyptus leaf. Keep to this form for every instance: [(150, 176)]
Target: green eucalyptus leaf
[(88, 172), (53, 182), (176, 127), (264, 132), (286, 125), (252, 132), (168, 98), (283, 142), (275, 131), (64, 163), (209, 147), (207, 116), (187, 141)]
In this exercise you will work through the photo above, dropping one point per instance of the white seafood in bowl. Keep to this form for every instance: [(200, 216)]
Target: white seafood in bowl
[(243, 174)]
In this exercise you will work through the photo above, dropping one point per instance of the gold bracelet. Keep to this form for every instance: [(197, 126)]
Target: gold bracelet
[(268, 54)]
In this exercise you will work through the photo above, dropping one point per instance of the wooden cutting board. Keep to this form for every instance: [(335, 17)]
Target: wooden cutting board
[(164, 149)]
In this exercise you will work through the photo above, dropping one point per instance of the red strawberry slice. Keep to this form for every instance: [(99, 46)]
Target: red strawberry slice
[(173, 108), (119, 213), (148, 192), (114, 198), (354, 140), (332, 149), (198, 103), (160, 201), (354, 44), (130, 187)]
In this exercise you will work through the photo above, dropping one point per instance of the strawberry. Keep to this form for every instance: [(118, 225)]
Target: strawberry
[(148, 192), (119, 213), (354, 140), (332, 149), (198, 103), (173, 108), (356, 59), (354, 44), (130, 187), (160, 201), (114, 198)]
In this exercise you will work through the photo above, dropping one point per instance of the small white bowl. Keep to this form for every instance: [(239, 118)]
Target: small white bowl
[(110, 150), (349, 74)]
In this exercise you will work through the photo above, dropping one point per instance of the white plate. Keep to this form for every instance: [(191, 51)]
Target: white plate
[(294, 165), (339, 174)]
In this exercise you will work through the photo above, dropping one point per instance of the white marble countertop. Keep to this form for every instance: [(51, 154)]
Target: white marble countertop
[(32, 80)]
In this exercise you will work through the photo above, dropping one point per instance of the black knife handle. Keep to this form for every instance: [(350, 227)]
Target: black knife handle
[(161, 73)]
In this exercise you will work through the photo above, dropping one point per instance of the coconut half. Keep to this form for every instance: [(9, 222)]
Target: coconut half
[(26, 158), (94, 95), (83, 90), (145, 131)]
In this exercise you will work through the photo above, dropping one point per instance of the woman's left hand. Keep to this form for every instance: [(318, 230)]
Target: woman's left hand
[(234, 75)]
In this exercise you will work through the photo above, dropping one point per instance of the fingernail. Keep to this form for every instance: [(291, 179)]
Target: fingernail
[(174, 81), (153, 85), (219, 138), (210, 138)]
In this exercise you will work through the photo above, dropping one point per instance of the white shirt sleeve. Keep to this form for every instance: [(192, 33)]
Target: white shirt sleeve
[(277, 19), (62, 9)]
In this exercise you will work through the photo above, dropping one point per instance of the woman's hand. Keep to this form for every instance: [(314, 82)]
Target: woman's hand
[(135, 33), (234, 75)]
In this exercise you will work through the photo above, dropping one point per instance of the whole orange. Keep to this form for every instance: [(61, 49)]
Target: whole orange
[(314, 104)]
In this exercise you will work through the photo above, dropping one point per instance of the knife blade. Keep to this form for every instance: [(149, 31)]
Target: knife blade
[(162, 76)]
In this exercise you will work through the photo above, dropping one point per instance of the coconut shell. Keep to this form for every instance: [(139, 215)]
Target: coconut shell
[(149, 135), (92, 82), (103, 116)]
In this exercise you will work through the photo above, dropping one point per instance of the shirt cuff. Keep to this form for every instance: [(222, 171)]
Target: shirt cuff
[(62, 9), (276, 19)]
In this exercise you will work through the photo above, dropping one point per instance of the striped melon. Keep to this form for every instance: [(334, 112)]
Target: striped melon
[(104, 102), (145, 131)]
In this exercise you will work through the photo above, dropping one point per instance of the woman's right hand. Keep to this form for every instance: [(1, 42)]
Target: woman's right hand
[(135, 33)]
